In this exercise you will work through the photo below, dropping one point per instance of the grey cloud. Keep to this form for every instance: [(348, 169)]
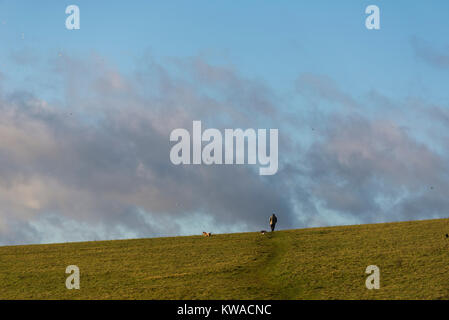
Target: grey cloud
[(105, 161), (24, 56), (324, 88), (430, 54), (369, 168), (96, 164)]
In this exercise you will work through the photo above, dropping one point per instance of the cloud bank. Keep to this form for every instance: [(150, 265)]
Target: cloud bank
[(94, 162)]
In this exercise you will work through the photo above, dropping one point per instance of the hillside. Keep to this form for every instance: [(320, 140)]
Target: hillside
[(319, 263)]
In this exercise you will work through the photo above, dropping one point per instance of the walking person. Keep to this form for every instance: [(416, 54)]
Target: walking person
[(273, 220)]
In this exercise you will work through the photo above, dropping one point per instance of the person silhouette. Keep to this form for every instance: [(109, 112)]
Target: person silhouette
[(273, 220)]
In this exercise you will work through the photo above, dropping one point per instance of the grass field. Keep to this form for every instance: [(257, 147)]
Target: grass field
[(320, 263)]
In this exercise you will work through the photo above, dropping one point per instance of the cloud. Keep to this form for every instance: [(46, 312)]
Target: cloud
[(93, 163), (24, 56), (430, 54), (373, 169), (102, 158), (323, 88)]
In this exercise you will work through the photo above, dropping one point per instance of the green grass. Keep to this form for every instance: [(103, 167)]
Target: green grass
[(320, 263)]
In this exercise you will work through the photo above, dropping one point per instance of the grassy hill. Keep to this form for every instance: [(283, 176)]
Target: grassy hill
[(320, 263)]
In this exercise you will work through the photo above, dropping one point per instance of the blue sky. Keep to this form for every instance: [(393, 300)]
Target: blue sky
[(362, 114), (273, 41)]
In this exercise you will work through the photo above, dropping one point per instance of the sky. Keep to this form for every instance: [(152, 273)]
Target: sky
[(87, 114)]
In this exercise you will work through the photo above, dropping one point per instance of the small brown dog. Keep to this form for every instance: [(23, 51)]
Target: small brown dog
[(207, 234)]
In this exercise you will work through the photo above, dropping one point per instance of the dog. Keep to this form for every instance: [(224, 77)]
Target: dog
[(207, 234), (263, 231)]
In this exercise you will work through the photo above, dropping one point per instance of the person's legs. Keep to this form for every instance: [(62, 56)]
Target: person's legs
[(272, 227)]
